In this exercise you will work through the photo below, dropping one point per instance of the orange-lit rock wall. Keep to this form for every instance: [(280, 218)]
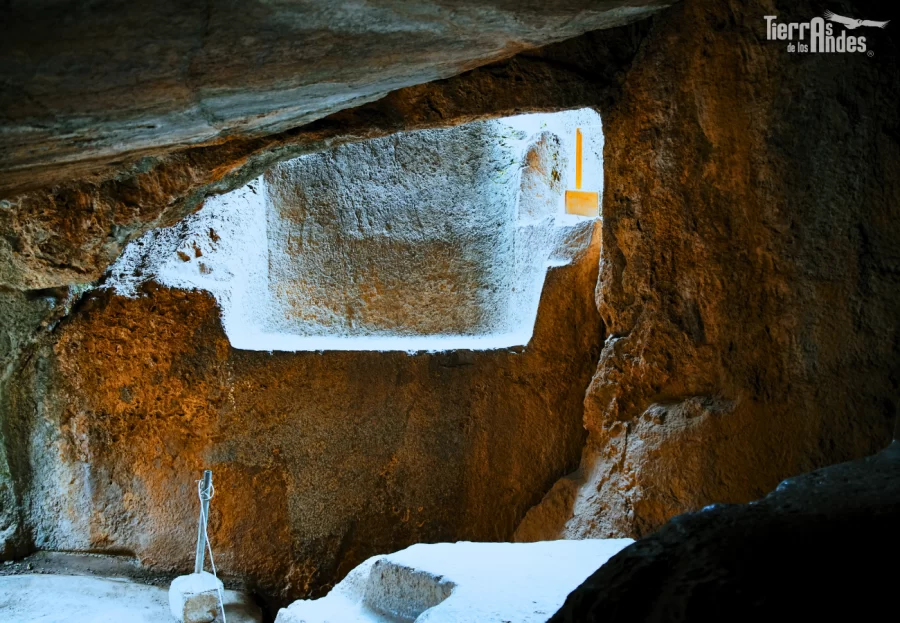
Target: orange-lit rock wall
[(319, 460)]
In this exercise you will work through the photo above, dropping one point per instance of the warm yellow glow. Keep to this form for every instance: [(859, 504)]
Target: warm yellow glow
[(578, 158), (582, 203)]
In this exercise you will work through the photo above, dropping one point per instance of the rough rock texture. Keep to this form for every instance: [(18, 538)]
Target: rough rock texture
[(26, 316), (749, 282), (819, 548), (70, 232), (421, 234), (320, 460), (408, 243), (541, 181), (750, 278), (413, 234), (87, 85)]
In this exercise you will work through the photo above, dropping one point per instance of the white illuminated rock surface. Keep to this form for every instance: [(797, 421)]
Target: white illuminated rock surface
[(81, 599), (459, 582), (424, 241)]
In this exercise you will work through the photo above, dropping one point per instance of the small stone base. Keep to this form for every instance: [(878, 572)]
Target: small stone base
[(194, 598)]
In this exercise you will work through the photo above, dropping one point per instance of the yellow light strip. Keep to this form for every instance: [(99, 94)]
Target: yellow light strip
[(578, 158)]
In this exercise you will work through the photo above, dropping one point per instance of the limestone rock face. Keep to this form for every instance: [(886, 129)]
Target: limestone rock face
[(89, 85), (57, 234), (321, 460), (748, 282), (385, 449), (409, 243), (798, 554), (26, 317), (423, 234), (749, 278), (541, 179), (414, 235)]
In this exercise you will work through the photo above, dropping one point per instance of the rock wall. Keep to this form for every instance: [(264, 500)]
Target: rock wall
[(26, 317), (412, 242), (69, 232), (750, 278), (411, 235), (749, 284), (88, 86), (320, 459)]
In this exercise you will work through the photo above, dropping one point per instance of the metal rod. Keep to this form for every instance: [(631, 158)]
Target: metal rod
[(205, 488)]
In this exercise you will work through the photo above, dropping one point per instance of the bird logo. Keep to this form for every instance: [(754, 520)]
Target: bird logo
[(851, 24)]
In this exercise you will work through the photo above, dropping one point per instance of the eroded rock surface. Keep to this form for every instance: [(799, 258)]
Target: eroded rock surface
[(749, 283), (413, 235), (69, 232), (87, 85), (750, 277), (320, 460), (409, 243), (26, 317)]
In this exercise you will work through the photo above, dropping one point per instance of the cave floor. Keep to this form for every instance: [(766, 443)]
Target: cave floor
[(83, 599)]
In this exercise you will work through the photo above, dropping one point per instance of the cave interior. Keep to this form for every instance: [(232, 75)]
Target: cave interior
[(501, 311)]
